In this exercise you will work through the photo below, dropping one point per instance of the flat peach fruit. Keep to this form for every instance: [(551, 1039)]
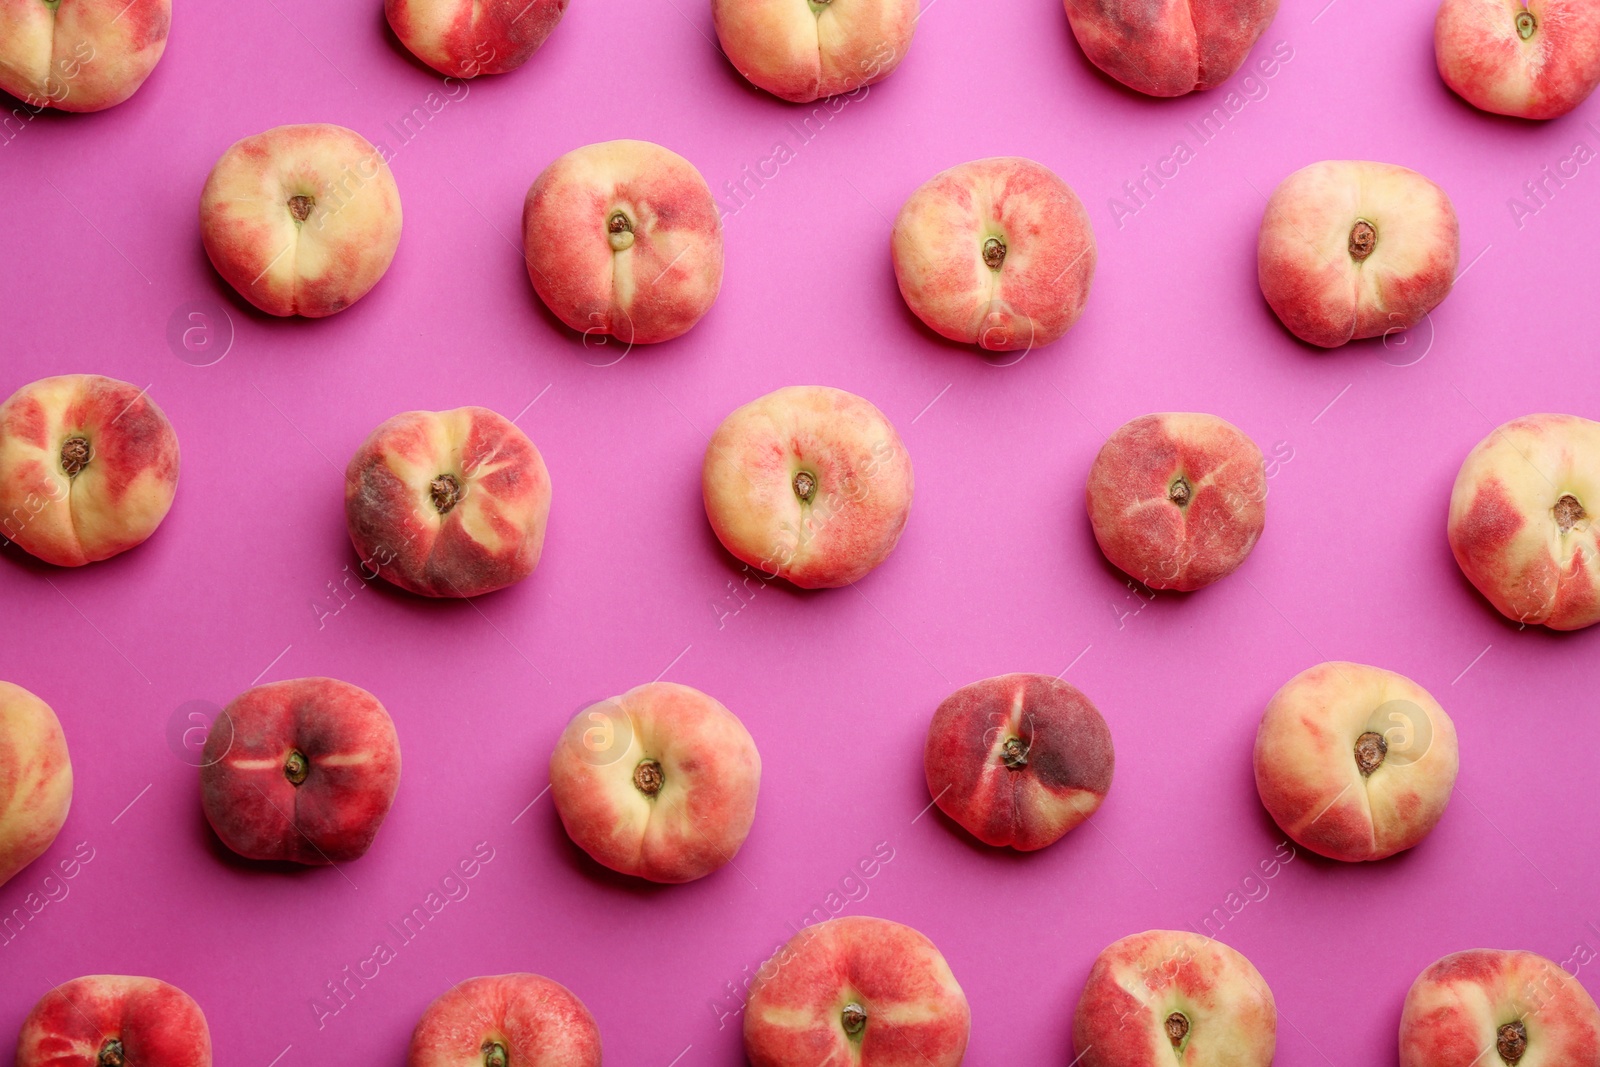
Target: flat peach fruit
[(466, 38), (1178, 500), (35, 779), (88, 468), (1525, 520), (80, 55), (803, 50), (302, 771), (1169, 48), (506, 1020), (859, 991), (1351, 249), (1533, 59), (659, 783), (1171, 997), (448, 503), (301, 220), (996, 253), (808, 483), (1355, 762), (108, 1020), (1488, 1007), (622, 239), (1018, 760)]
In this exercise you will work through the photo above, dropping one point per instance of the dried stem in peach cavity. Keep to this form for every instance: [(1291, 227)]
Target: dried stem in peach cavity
[(300, 207), (1371, 748), (1569, 513), (805, 486), (1526, 24), (111, 1054), (1180, 492), (1511, 1042), (75, 453), (994, 253), (295, 768), (619, 231), (853, 1018), (446, 492), (494, 1054), (1014, 753), (1177, 1028), (647, 777), (1363, 239)]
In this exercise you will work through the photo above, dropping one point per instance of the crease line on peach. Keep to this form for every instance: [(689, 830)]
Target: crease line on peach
[(1484, 815), (99, 631), (297, 429), (313, 44), (303, 834), (101, 232)]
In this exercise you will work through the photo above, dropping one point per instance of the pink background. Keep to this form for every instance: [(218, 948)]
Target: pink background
[(997, 571)]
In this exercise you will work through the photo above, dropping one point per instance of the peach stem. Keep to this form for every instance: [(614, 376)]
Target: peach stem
[(647, 777), (1177, 1028), (1511, 1041), (853, 1018), (1569, 513), (494, 1054), (1525, 24), (300, 207), (1363, 239), (111, 1053), (75, 454), (295, 768), (1371, 748)]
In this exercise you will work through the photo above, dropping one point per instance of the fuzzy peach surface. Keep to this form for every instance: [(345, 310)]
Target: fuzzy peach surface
[(997, 252), (532, 1020), (1535, 60), (1488, 1006), (1329, 283), (448, 504), (88, 468), (838, 448), (1525, 520), (80, 55), (348, 769), (861, 991), (1308, 765), (1169, 47), (1125, 1016), (301, 220), (35, 778), (692, 817), (466, 38), (1018, 760), (802, 50), (1177, 500), (622, 239), (107, 1019)]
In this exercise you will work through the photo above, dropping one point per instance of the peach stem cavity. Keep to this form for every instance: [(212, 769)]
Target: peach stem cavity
[(647, 777), (1363, 239), (1526, 24), (994, 253), (111, 1053), (446, 493), (300, 207), (75, 453), (1568, 511), (1014, 753), (494, 1054), (1180, 492), (296, 767), (853, 1018), (1511, 1042), (619, 231), (805, 486), (1371, 748), (1177, 1025)]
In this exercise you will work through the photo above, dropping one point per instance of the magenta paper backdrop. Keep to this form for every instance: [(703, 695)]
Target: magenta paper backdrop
[(997, 571)]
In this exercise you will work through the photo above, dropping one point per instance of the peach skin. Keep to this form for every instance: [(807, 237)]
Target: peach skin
[(302, 771), (996, 253), (623, 239), (859, 991), (506, 1020), (80, 55), (1170, 47), (659, 783), (1488, 1007), (1537, 59), (1169, 996), (808, 483), (108, 1020), (301, 220), (447, 503), (803, 50), (1350, 249), (1355, 762), (1178, 500), (1523, 520), (88, 468), (35, 779), (466, 38), (1018, 760)]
